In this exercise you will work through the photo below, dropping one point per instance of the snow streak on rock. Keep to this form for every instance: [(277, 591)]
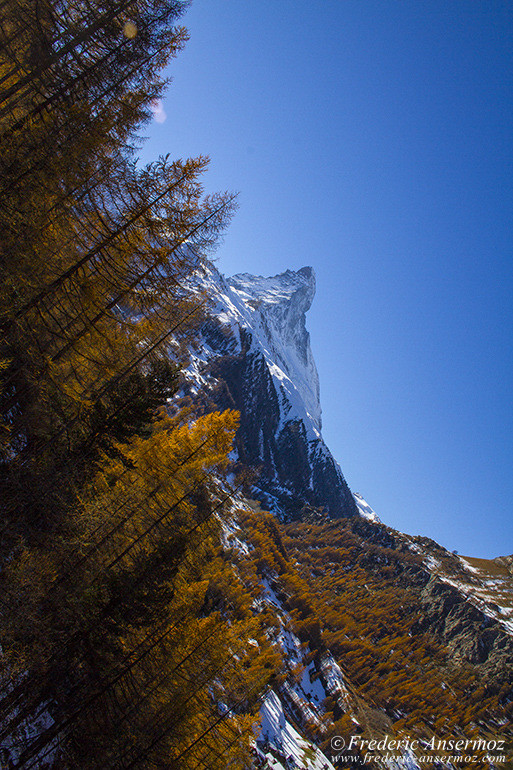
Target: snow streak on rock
[(300, 699)]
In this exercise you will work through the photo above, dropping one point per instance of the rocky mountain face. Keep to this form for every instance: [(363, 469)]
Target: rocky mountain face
[(381, 633), (254, 355)]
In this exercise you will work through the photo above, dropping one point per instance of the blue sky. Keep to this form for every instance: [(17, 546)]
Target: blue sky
[(374, 141)]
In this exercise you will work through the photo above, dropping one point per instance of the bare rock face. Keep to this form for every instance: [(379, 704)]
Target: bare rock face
[(469, 633), (505, 561), (255, 357)]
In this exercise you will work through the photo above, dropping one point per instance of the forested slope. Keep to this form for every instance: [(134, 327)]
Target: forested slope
[(123, 640)]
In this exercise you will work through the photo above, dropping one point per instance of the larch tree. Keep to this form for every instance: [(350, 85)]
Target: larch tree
[(118, 650)]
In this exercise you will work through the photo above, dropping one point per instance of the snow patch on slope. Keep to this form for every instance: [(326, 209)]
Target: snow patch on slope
[(24, 736), (364, 508), (300, 698), (281, 741)]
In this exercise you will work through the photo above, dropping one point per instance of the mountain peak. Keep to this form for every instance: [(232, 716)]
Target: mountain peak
[(263, 366), (297, 285), (280, 302)]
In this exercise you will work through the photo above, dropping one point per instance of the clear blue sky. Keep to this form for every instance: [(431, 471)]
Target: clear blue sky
[(373, 140)]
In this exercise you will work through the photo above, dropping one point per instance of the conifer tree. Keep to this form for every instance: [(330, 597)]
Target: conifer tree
[(116, 639), (131, 651), (95, 250)]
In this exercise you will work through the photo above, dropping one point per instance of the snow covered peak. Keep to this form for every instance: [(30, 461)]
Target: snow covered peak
[(278, 305), (292, 287), (254, 356)]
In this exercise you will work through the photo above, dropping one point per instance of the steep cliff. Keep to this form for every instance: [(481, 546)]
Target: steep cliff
[(254, 355)]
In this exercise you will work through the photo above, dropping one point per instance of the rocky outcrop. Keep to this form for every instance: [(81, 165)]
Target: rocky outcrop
[(279, 305), (469, 634), (505, 561)]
